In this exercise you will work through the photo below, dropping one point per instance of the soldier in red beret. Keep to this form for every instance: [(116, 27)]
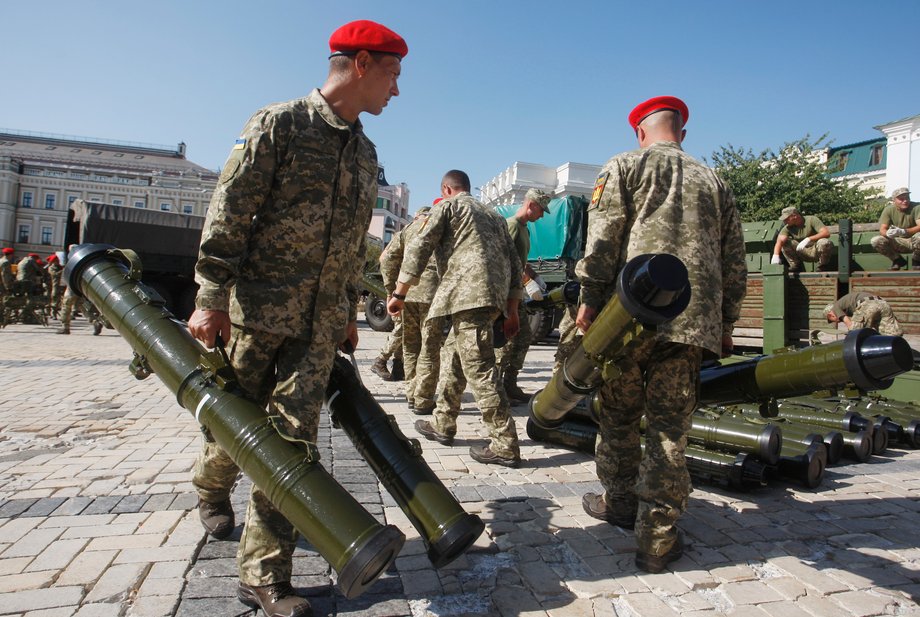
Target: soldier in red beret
[(283, 291), (7, 280), (658, 199)]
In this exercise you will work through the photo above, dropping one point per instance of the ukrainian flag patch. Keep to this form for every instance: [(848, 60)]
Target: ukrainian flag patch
[(239, 144)]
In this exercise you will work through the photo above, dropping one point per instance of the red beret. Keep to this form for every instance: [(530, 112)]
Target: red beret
[(643, 110), (437, 201), (8, 251), (52, 257), (34, 256), (364, 34)]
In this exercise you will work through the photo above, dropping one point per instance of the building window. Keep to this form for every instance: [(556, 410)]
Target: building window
[(187, 208), (24, 231), (138, 204), (117, 202), (165, 206), (838, 162), (875, 155), (47, 235), (27, 199), (49, 201), (71, 199)]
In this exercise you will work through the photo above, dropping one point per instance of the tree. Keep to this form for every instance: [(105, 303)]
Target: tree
[(765, 183)]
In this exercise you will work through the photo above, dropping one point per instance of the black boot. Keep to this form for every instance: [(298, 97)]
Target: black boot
[(398, 373), (515, 394)]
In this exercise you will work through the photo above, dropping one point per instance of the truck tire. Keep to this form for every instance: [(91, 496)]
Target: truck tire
[(375, 312), (541, 324)]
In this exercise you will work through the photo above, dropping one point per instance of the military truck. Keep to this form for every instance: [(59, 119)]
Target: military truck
[(166, 242)]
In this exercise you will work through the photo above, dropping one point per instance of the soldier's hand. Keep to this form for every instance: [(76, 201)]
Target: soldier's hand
[(351, 337), (511, 326), (585, 317), (728, 345), (394, 306), (205, 325), (804, 244), (775, 260)]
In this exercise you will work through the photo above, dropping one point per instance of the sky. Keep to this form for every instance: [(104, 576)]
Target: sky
[(485, 83)]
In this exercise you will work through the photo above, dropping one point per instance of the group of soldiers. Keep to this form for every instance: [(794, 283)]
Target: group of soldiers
[(33, 291)]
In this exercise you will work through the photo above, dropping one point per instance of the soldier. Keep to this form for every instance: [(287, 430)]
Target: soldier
[(510, 357), (56, 285), (658, 199), (864, 310), (7, 282), (30, 283), (392, 348), (280, 262), (421, 338), (804, 238), (480, 279), (899, 230)]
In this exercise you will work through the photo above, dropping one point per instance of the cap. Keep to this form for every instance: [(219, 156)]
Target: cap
[(34, 256), (538, 196), (8, 251), (828, 309), (787, 212), (365, 34), (644, 110), (900, 191), (437, 201)]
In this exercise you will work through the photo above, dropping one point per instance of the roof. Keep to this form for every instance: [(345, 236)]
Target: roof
[(98, 154), (857, 158)]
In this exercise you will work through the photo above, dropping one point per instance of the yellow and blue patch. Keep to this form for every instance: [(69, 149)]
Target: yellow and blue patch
[(239, 144), (599, 188)]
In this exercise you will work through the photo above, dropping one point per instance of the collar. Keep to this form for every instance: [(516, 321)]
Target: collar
[(325, 111)]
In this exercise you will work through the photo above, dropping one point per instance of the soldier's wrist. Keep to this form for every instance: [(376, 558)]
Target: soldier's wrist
[(399, 297)]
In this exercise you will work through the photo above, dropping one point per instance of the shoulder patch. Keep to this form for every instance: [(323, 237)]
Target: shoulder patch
[(599, 185), (239, 144)]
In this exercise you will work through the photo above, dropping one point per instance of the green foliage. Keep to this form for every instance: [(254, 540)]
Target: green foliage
[(767, 182)]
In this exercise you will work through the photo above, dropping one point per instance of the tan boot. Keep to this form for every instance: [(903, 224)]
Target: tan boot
[(379, 368)]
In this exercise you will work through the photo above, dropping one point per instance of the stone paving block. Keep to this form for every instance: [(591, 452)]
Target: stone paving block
[(102, 505), (100, 610), (72, 506), (86, 568), (152, 555), (44, 507), (184, 501), (749, 592), (15, 507), (52, 612), (867, 603), (37, 599), (117, 583), (32, 543), (643, 605), (15, 529), (26, 580), (58, 555), (133, 541), (98, 531), (158, 502)]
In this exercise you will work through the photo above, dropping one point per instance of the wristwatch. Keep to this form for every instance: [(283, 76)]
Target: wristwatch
[(401, 297)]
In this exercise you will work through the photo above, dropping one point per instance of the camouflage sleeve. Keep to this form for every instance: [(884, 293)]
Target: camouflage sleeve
[(390, 261), (607, 220), (353, 287), (734, 264), (516, 286), (419, 250), (244, 183)]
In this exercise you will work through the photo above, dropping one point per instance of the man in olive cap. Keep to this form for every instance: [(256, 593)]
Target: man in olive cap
[(281, 258), (804, 238), (898, 230), (509, 358)]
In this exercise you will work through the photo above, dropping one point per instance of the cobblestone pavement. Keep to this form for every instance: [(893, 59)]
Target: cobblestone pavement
[(98, 518)]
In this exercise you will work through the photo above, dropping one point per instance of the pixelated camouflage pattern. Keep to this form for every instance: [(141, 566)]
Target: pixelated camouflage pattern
[(7, 280), (56, 285), (659, 380), (284, 238), (391, 261), (413, 319), (393, 346), (876, 314), (661, 200), (568, 337), (422, 388), (510, 357), (288, 375), (893, 248), (474, 253), (821, 252), (468, 357), (29, 271)]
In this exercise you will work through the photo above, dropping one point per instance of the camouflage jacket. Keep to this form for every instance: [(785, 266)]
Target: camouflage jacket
[(7, 280), (284, 239), (29, 270), (661, 200), (475, 256), (391, 261)]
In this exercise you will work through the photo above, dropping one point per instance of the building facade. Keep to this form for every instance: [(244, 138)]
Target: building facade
[(509, 186), (903, 145), (391, 213), (42, 174)]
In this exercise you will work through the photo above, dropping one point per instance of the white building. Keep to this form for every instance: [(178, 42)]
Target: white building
[(903, 168), (391, 214), (42, 174), (509, 186)]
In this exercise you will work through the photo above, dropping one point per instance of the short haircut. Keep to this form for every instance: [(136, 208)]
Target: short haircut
[(457, 179), (665, 118)]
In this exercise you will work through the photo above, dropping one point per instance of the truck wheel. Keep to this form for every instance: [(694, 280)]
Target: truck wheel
[(375, 312), (541, 324)]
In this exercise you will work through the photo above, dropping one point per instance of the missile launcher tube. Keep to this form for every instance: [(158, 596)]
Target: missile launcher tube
[(354, 543)]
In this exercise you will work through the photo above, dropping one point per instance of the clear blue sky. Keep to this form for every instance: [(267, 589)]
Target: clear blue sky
[(485, 83)]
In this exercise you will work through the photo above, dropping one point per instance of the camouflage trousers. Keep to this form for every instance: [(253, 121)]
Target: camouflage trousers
[(661, 381), (568, 336), (69, 304), (394, 345), (414, 333), (876, 314), (821, 252), (510, 357), (468, 356), (893, 248), (289, 376)]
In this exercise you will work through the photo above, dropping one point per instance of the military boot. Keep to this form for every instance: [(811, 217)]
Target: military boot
[(515, 394), (216, 518), (379, 368), (398, 373), (63, 330)]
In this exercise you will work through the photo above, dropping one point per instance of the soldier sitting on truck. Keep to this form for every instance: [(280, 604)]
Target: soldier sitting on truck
[(899, 230), (804, 238), (864, 310)]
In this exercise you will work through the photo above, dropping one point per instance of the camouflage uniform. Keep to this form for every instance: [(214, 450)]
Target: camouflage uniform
[(7, 287), (56, 292), (30, 283), (867, 310), (658, 199), (893, 248), (283, 248), (393, 347), (510, 357), (421, 345), (821, 251), (479, 270)]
